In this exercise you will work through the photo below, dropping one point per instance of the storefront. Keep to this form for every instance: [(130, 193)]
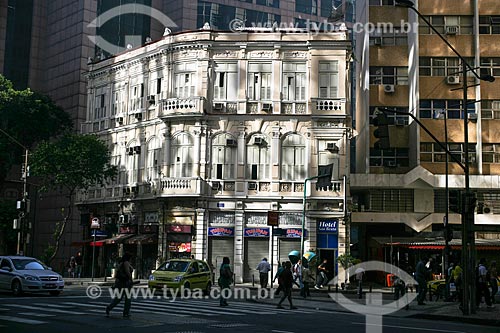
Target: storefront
[(288, 241), (179, 239), (145, 247), (327, 240), (256, 248), (220, 245)]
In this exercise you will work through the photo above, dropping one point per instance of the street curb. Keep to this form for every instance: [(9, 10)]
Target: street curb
[(427, 316), (462, 319)]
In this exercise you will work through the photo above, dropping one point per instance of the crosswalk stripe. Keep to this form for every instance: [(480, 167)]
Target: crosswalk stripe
[(254, 308), (136, 308), (50, 305), (176, 306), (22, 320), (36, 314), (45, 309), (236, 308)]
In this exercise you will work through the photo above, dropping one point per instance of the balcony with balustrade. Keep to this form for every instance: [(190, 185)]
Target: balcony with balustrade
[(329, 107), (182, 107)]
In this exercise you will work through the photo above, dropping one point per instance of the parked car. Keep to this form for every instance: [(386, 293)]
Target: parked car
[(24, 274), (187, 273)]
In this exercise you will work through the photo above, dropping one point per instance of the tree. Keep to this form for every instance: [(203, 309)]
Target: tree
[(71, 162), (346, 261), (27, 117)]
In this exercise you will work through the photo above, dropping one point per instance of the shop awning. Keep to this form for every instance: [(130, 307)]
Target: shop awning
[(117, 239), (143, 239), (435, 243), (98, 242)]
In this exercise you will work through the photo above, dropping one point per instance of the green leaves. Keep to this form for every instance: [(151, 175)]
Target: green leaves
[(27, 117), (72, 162)]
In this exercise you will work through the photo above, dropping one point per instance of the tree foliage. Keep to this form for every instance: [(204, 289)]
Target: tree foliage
[(28, 117), (70, 163)]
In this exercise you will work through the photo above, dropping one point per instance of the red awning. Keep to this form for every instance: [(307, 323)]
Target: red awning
[(143, 239)]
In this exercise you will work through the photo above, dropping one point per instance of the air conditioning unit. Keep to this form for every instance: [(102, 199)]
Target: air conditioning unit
[(259, 141), (151, 99), (391, 164), (231, 143), (453, 79), (472, 116), (252, 186), (377, 41), (388, 88), (487, 210), (267, 107), (451, 29), (216, 186), (218, 107), (400, 122)]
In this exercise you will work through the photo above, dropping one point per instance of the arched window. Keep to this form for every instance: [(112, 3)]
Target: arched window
[(293, 159), (181, 157), (224, 150), (258, 157), (152, 159)]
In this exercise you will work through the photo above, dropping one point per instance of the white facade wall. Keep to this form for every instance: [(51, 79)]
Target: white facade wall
[(213, 130)]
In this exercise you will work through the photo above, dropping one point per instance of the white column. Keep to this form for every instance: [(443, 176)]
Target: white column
[(239, 246), (200, 244)]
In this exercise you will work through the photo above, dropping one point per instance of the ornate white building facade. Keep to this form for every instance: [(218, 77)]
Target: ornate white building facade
[(211, 131)]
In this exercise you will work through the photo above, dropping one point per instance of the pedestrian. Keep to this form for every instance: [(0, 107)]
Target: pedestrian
[(71, 267), (278, 277), (124, 283), (421, 274), (482, 280), (263, 267), (297, 275), (457, 277), (322, 278), (287, 278), (493, 280), (308, 281), (225, 281), (79, 265), (360, 274)]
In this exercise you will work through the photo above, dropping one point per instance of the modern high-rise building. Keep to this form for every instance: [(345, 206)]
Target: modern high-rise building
[(399, 192), (212, 131), (45, 45)]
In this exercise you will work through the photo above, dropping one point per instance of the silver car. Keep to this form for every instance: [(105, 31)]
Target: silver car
[(24, 274)]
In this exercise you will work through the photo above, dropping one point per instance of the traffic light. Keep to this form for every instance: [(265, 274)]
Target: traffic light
[(454, 201), (382, 131), (324, 177)]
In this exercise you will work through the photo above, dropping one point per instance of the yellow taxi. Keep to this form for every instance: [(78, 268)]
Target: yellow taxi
[(182, 273)]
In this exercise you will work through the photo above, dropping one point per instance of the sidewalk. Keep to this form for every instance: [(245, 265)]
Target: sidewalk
[(321, 300), (433, 310)]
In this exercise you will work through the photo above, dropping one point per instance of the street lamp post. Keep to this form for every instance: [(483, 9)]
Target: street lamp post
[(447, 208), (468, 201)]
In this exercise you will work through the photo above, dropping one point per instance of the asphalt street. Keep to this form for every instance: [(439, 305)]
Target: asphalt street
[(75, 312)]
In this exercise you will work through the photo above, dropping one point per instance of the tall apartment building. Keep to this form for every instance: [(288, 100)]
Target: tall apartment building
[(45, 45), (211, 131), (399, 192)]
